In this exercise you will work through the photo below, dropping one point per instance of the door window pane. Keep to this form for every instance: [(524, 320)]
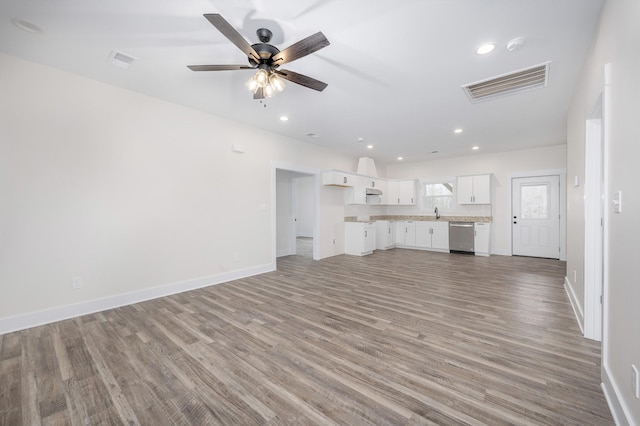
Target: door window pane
[(534, 202)]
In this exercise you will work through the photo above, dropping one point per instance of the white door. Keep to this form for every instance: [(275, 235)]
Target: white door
[(536, 216)]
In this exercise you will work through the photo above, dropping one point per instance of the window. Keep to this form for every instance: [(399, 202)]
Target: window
[(534, 202), (438, 195)]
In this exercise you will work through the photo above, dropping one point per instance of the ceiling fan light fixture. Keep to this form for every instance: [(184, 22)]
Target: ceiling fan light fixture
[(276, 82)]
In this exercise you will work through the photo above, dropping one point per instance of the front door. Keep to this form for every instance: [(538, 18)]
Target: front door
[(536, 216)]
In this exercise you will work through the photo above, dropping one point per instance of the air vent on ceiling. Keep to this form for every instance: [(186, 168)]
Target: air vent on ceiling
[(121, 60), (507, 84)]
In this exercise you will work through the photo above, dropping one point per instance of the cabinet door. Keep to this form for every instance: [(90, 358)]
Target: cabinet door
[(398, 235), (408, 192), (465, 190), (423, 235), (482, 189), (482, 238), (393, 191), (440, 235), (337, 178), (369, 237), (390, 235), (410, 233)]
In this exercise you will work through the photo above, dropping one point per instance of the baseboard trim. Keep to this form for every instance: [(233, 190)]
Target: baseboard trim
[(577, 310), (34, 319), (619, 410)]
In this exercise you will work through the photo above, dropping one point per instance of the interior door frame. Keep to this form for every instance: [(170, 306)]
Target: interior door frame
[(295, 168), (562, 173), (594, 224)]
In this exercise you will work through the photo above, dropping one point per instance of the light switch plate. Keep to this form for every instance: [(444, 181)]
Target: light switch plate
[(635, 381)]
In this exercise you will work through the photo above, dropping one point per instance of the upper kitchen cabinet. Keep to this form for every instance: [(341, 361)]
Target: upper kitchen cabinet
[(401, 192), (336, 178), (474, 189)]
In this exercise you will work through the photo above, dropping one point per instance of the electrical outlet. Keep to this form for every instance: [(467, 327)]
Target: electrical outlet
[(334, 241), (76, 283), (635, 381), (575, 276)]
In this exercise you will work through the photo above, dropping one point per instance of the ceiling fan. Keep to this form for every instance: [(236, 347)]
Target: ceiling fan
[(267, 59)]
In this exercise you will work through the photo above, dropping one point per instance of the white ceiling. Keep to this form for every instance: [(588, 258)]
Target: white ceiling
[(394, 70)]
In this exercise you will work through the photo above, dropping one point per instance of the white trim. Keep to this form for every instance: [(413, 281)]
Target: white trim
[(563, 205), (594, 228), (619, 410), (577, 310), (33, 319), (606, 118)]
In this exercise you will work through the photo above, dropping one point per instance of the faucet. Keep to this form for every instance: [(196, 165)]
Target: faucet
[(437, 214)]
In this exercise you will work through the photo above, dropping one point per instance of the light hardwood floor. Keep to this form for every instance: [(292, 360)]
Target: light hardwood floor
[(398, 337)]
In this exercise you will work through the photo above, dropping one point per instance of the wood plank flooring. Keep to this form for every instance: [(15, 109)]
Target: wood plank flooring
[(400, 337)]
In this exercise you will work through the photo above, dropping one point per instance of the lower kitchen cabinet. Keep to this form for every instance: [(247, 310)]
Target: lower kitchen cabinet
[(482, 238), (359, 238), (432, 235), (385, 235)]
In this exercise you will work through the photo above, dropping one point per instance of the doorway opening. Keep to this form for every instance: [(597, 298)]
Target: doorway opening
[(295, 218)]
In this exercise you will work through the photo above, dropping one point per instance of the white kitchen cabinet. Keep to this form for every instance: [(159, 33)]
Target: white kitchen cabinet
[(385, 235), (405, 233), (398, 232), (355, 195), (432, 235), (336, 178), (401, 192), (359, 238), (474, 189), (482, 238)]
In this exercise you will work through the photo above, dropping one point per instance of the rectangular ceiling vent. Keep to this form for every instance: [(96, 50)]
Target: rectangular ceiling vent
[(508, 84), (121, 60)]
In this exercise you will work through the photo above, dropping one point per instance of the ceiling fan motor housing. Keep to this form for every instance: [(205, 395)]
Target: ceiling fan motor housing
[(266, 52)]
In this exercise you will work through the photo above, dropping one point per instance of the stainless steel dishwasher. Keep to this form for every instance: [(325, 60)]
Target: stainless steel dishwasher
[(461, 237)]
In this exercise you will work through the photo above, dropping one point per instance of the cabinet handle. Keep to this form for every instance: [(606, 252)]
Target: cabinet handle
[(344, 179), (389, 230), (373, 184), (365, 234), (398, 200)]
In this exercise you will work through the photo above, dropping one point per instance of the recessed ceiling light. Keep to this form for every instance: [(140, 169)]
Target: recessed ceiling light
[(400, 158), (457, 131), (360, 139), (312, 135), (485, 48), (475, 148), (370, 146), (26, 26), (284, 118)]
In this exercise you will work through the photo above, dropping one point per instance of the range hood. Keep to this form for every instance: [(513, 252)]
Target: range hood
[(373, 191)]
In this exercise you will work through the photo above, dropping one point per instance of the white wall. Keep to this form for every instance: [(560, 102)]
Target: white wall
[(501, 166), (130, 193), (618, 43)]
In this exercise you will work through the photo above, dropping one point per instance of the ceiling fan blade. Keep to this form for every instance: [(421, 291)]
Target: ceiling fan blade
[(232, 34), (218, 67), (302, 80), (302, 48)]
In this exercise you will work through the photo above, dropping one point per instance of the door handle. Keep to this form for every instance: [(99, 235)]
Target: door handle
[(515, 221)]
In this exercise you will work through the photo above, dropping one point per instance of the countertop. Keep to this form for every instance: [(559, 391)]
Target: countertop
[(423, 218)]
